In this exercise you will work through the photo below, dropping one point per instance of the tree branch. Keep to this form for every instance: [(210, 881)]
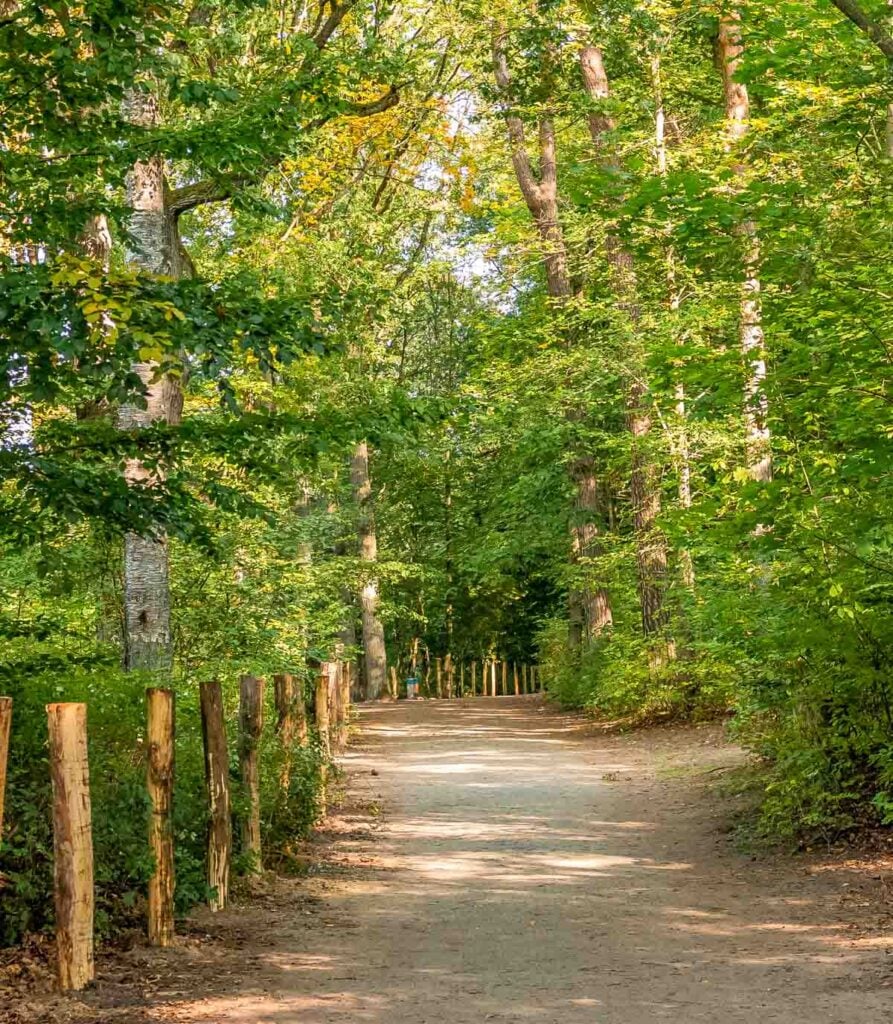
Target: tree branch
[(874, 30), (530, 187)]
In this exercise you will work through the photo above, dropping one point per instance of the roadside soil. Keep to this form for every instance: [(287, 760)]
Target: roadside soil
[(495, 860)]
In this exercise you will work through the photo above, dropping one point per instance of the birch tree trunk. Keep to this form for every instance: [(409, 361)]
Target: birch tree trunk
[(147, 630), (757, 439), (651, 548), (589, 608), (374, 652)]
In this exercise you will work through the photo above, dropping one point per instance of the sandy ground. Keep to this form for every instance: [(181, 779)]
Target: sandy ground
[(496, 861)]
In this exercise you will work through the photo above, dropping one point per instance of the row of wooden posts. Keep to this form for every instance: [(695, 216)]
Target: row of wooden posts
[(72, 825), (497, 678)]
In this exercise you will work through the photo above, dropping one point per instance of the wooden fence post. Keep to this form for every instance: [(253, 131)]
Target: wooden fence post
[(438, 675), (515, 678), (449, 676), (395, 685), (505, 685), (160, 784), (5, 723), (291, 722), (493, 678), (321, 713), (461, 678), (72, 844), (251, 723), (344, 704), (474, 682), (220, 839)]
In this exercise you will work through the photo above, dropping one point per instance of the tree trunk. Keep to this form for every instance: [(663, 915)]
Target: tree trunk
[(651, 549), (589, 610), (156, 250), (757, 438), (374, 652)]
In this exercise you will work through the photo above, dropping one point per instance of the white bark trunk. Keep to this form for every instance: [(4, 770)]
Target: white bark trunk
[(374, 652)]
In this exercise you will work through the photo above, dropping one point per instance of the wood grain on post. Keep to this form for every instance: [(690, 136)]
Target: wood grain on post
[(344, 703), (449, 676), (524, 687), (505, 685), (515, 678), (72, 844), (438, 670), (220, 839), (285, 698), (474, 683), (395, 686), (493, 678), (462, 679), (251, 724), (321, 713), (5, 723), (160, 785)]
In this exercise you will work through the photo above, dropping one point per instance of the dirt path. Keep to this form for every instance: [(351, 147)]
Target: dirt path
[(523, 869)]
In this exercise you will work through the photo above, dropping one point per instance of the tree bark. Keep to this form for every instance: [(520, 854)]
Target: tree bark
[(374, 651), (589, 609), (154, 249), (651, 549), (757, 438)]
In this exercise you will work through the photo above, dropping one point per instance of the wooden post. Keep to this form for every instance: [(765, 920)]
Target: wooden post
[(72, 844), (160, 784), (461, 678), (220, 839), (321, 712), (291, 722), (5, 723), (474, 682), (493, 678), (395, 686), (251, 723), (515, 678), (438, 675), (505, 684), (344, 703)]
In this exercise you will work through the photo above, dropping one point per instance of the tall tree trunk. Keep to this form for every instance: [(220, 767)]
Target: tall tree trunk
[(589, 608), (651, 547), (374, 653), (674, 301), (757, 439), (147, 630)]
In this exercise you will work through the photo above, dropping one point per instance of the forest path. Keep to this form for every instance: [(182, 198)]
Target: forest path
[(527, 869), (496, 860)]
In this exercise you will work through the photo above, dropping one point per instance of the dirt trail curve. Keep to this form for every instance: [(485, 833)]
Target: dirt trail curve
[(524, 869)]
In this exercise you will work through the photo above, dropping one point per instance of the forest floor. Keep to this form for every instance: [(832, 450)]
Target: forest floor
[(495, 860)]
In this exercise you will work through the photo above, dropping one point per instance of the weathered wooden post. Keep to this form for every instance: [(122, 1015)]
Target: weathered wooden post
[(515, 678), (220, 839), (321, 713), (72, 844), (344, 704), (474, 683), (5, 724), (524, 679), (449, 676), (160, 785), (493, 678), (438, 677), (251, 723), (461, 678), (505, 685), (285, 700), (395, 685)]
